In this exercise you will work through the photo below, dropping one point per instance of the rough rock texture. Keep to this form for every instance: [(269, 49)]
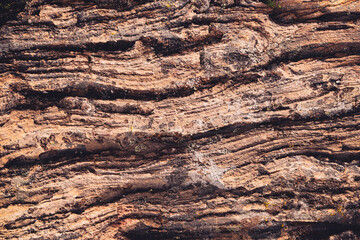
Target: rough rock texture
[(187, 119)]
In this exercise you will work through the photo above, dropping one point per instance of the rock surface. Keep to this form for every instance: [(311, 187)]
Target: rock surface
[(180, 120)]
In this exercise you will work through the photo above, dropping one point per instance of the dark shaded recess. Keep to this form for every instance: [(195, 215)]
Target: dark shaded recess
[(235, 57), (327, 86), (142, 232), (339, 16), (38, 56), (46, 157), (9, 9), (173, 45), (324, 50), (279, 124), (120, 45), (65, 49), (13, 225), (279, 17), (271, 232), (36, 100), (338, 157), (81, 154), (113, 4), (58, 158), (321, 230), (72, 3), (275, 108), (40, 100), (206, 20), (229, 130), (114, 194), (34, 103), (348, 147), (120, 4), (55, 155), (333, 27), (236, 129)]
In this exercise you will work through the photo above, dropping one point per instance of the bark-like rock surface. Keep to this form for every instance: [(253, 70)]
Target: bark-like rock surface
[(180, 120)]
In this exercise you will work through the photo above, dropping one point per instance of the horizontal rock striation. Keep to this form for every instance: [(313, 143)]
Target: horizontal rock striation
[(180, 120)]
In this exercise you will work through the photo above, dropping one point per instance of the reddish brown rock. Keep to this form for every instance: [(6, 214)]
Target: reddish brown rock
[(180, 120)]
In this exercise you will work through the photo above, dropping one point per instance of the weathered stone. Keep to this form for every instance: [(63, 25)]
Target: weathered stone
[(180, 120)]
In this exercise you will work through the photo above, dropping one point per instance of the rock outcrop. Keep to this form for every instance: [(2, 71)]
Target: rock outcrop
[(180, 119)]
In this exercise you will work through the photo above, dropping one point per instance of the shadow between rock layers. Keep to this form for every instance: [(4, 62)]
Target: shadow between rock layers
[(180, 120)]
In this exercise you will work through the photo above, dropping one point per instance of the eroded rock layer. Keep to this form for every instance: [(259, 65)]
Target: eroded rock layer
[(180, 120)]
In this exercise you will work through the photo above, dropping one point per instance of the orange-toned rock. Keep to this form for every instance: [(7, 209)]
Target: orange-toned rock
[(180, 120)]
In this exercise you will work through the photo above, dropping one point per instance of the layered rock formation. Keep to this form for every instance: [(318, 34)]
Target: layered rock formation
[(180, 120)]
